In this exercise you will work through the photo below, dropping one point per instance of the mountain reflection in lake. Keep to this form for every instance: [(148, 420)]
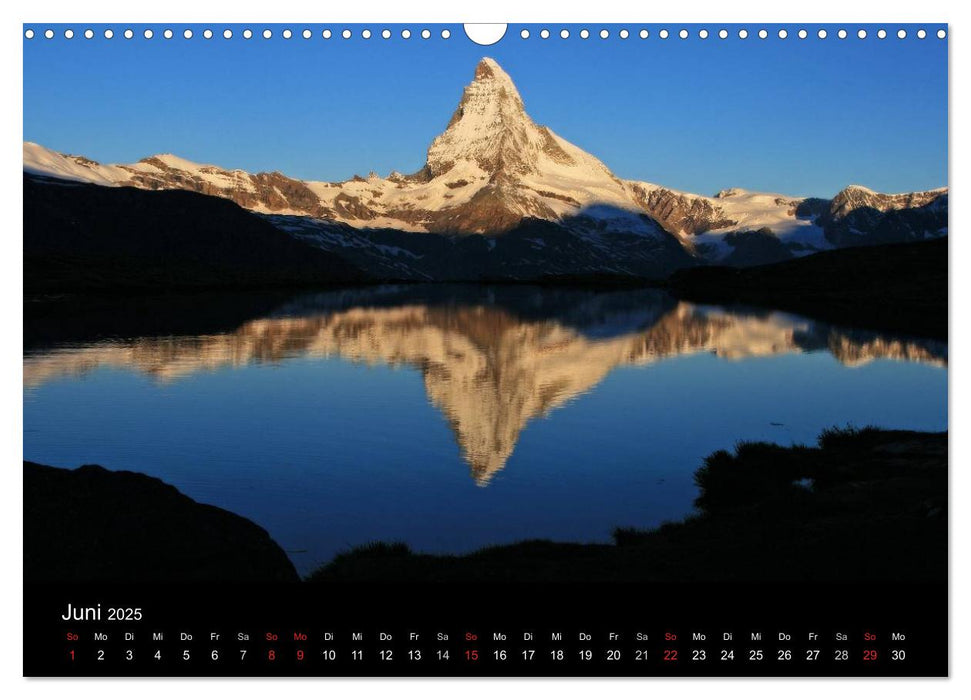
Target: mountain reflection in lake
[(278, 392)]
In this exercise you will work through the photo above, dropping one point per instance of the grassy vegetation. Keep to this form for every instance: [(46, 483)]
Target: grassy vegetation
[(863, 504)]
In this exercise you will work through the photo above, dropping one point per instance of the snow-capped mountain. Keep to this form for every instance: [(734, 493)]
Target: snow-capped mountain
[(494, 171)]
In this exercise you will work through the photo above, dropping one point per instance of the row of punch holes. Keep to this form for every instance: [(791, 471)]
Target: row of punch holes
[(447, 33)]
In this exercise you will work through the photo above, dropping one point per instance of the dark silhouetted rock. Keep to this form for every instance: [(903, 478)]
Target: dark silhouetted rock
[(901, 287), (79, 236), (91, 524)]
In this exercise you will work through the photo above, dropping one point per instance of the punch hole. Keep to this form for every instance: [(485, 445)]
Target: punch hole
[(486, 34)]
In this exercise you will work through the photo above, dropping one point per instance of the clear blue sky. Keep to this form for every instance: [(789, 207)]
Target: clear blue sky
[(803, 117)]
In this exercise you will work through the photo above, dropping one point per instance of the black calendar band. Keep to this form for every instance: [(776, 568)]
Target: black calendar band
[(496, 630)]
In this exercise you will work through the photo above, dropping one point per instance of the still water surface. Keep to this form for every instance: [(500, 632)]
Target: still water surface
[(449, 417)]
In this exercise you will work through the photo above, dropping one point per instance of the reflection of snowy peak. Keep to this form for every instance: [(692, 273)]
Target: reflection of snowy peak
[(493, 170), (490, 369)]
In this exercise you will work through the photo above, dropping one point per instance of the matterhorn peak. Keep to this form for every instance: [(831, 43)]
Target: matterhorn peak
[(499, 166), (494, 82), (489, 123), (489, 68)]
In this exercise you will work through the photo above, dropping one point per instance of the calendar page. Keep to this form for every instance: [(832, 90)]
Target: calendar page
[(485, 350)]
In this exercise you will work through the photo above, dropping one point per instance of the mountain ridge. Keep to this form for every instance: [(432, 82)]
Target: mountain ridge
[(493, 170)]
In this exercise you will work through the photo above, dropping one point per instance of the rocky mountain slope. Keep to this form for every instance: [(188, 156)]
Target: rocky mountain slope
[(495, 172), (84, 237)]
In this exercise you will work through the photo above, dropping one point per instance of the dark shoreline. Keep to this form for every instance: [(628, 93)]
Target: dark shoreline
[(91, 524), (868, 505), (899, 288), (79, 239)]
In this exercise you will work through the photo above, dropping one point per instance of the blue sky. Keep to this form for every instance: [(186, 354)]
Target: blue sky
[(803, 117)]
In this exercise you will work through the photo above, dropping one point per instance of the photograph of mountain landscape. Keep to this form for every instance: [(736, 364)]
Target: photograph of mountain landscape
[(536, 352)]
